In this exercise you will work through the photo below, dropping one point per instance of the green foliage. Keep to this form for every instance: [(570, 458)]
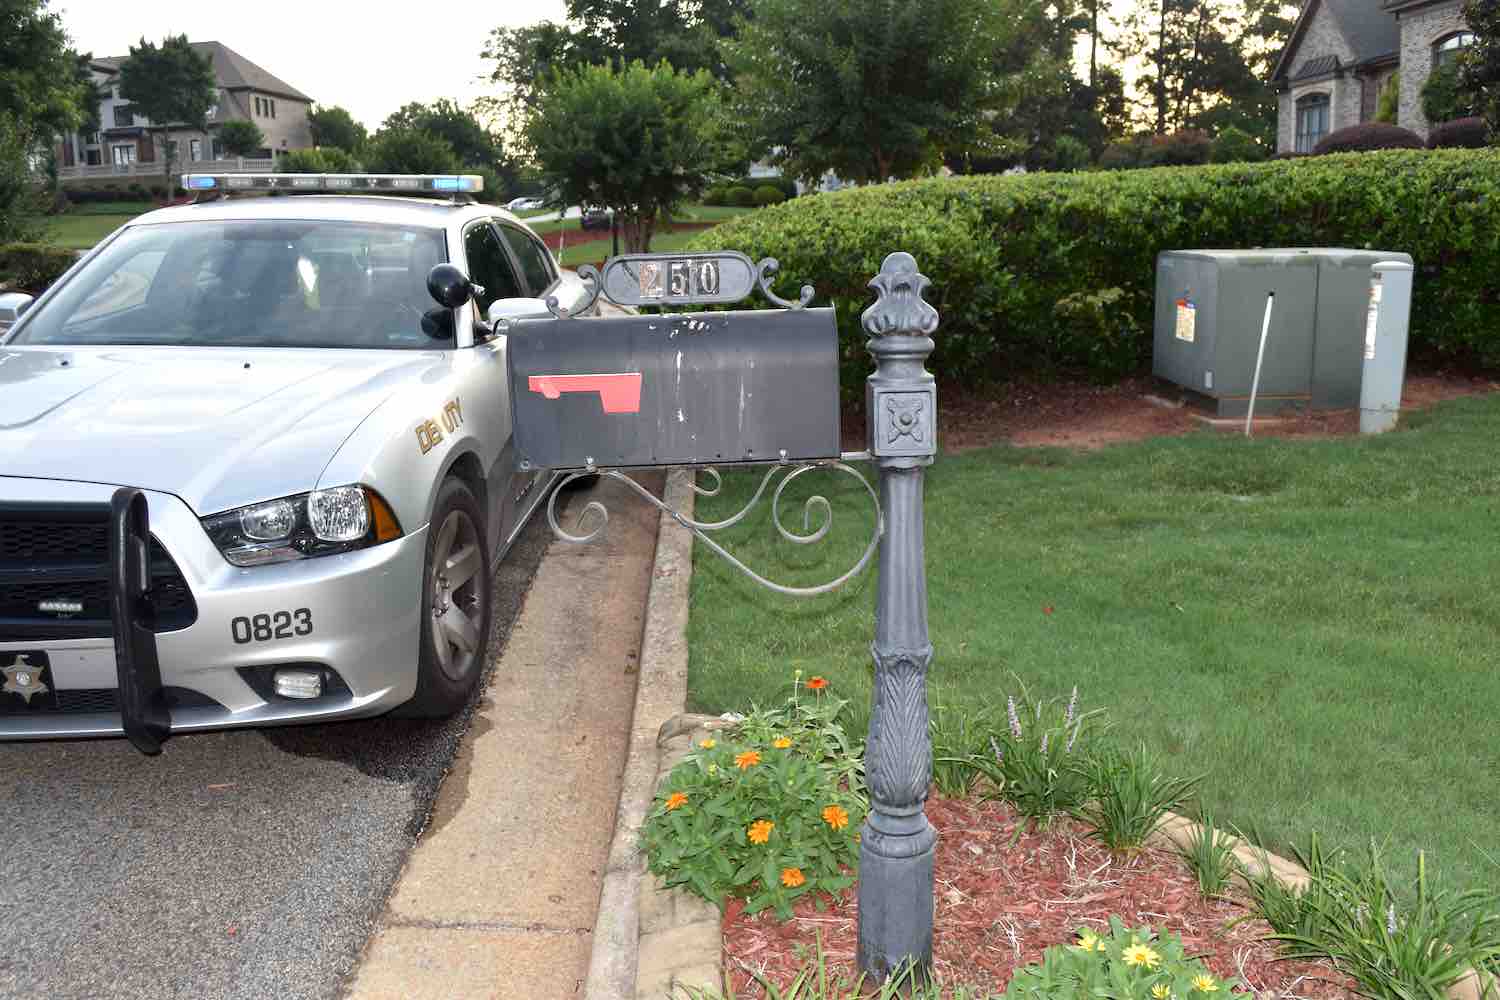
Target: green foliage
[(869, 91), (241, 137), (1388, 102), (1461, 133), (1123, 964), (327, 160), (959, 738), (1209, 855), (1100, 326), (31, 267), (335, 126), (1444, 96), (739, 196), (1234, 145), (1129, 795), (1481, 62), (1295, 913), (1411, 946), (815, 981), (1183, 148), (410, 151), (812, 723), (21, 199), (708, 832), (639, 140), (42, 91), (171, 83), (716, 195), (1037, 762), (1368, 137), (768, 194), (1002, 252), (474, 144), (1069, 154)]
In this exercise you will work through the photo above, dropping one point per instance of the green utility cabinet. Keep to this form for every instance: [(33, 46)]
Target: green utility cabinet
[(1211, 304)]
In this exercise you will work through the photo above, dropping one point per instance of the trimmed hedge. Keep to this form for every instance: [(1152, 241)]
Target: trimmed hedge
[(31, 267), (1461, 133), (1366, 137), (769, 194), (1057, 271)]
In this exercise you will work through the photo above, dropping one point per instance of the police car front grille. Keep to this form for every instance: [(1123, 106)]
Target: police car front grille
[(61, 554), (82, 701)]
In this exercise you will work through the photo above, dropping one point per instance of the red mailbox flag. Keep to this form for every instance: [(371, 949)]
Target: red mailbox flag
[(620, 393)]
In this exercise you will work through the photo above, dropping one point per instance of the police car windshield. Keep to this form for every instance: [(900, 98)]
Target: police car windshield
[(267, 283)]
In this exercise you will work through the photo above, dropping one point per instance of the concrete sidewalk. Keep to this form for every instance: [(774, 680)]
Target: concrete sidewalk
[(498, 899)]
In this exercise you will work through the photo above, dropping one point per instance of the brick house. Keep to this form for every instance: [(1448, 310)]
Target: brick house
[(128, 144), (1342, 52)]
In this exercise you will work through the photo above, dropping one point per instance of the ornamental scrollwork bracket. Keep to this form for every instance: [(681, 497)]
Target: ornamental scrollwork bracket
[(815, 509)]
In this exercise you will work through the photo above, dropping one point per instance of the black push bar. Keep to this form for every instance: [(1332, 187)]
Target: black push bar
[(132, 611)]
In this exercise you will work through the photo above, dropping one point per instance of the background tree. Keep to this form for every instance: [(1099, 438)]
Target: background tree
[(241, 137), (334, 126), (1481, 61), (327, 160), (409, 151), (638, 140), (474, 144), (1388, 101), (173, 86), (869, 90)]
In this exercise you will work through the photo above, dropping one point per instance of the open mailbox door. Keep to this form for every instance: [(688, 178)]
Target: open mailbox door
[(676, 388)]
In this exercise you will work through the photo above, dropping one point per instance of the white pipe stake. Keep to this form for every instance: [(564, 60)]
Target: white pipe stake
[(1260, 356)]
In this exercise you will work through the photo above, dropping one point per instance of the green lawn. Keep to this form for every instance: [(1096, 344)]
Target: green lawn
[(599, 249), (80, 231), (1314, 624)]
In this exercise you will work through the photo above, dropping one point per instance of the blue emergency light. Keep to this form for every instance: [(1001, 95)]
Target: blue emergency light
[(452, 184)]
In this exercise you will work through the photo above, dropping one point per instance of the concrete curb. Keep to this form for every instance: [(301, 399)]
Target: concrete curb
[(661, 692)]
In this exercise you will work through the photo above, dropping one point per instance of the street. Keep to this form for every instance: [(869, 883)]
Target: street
[(243, 864)]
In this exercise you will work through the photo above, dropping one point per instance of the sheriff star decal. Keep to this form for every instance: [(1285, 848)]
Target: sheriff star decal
[(23, 678)]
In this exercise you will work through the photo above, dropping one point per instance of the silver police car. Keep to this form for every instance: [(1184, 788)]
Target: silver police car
[(311, 395)]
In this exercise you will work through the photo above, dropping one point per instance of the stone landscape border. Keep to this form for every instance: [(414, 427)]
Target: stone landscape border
[(648, 940)]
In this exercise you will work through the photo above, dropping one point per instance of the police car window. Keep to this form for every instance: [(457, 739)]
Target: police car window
[(261, 283), (489, 267), (536, 263)]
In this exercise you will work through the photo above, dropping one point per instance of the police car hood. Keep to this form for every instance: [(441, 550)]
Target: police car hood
[(219, 428)]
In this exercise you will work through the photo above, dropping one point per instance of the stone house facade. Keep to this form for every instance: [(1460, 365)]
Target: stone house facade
[(127, 143), (1341, 55)]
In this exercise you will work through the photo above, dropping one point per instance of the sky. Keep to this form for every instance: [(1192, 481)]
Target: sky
[(335, 52)]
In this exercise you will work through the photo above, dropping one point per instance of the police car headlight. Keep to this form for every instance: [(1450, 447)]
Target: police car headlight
[(319, 523)]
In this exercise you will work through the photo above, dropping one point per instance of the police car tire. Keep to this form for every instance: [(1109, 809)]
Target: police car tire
[(437, 694)]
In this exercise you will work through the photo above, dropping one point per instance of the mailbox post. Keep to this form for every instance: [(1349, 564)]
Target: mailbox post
[(897, 842)]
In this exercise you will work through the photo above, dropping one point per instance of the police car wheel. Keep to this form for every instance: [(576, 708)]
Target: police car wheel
[(455, 605)]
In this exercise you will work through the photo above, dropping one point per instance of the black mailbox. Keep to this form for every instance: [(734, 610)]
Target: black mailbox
[(676, 389)]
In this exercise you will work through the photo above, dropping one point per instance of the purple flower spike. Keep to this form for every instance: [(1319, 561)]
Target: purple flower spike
[(1044, 742), (1073, 737), (1072, 704), (1390, 920), (1015, 720), (999, 754)]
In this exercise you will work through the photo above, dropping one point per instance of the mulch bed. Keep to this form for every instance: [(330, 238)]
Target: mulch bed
[(554, 239), (1002, 900)]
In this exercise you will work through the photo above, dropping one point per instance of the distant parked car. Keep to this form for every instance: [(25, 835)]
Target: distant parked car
[(595, 217), (523, 204)]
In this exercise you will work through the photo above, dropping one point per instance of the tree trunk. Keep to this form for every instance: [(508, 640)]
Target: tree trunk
[(166, 164), (1093, 51), (1161, 72)]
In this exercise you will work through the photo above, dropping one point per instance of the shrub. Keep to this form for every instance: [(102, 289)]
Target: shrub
[(1179, 149), (1366, 137), (1235, 145), (716, 195), (1123, 155), (1388, 103), (31, 267), (1003, 252), (1124, 964), (769, 195), (740, 195), (1444, 96), (1036, 763), (1461, 133), (1069, 154)]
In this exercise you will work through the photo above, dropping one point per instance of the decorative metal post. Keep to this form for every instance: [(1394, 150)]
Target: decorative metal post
[(897, 842)]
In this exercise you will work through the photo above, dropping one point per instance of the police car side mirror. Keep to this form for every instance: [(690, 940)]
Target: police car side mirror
[(12, 305), (449, 286)]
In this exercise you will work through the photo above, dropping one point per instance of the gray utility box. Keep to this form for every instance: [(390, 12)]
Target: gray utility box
[(1210, 305)]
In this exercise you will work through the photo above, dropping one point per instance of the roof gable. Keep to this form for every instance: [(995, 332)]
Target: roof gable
[(1367, 28), (232, 71)]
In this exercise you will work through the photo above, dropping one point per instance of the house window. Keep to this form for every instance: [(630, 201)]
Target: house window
[(1312, 121), (273, 108), (257, 107), (123, 154), (195, 149), (124, 117), (1447, 50)]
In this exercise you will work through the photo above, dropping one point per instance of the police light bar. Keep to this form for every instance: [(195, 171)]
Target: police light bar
[(396, 183)]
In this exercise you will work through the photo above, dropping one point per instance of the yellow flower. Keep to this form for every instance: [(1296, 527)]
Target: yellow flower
[(836, 817), (1205, 984), (1087, 940), (747, 760), (792, 877), (1161, 991), (781, 743), (760, 831), (1139, 954), (676, 801), (708, 744)]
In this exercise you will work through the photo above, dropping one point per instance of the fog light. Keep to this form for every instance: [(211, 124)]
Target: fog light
[(299, 683)]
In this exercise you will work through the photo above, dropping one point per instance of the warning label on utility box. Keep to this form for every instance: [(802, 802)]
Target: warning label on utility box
[(1372, 318), (1187, 315)]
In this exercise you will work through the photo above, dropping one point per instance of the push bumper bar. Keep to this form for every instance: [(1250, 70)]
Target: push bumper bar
[(143, 709)]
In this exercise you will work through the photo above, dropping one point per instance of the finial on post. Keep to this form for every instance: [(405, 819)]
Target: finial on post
[(899, 307)]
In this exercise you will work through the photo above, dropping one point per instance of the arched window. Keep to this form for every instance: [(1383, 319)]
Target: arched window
[(1447, 49), (1312, 121)]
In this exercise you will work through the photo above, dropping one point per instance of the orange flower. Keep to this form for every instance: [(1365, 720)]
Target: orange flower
[(676, 801), (708, 744), (760, 831), (817, 683), (781, 743), (836, 817), (747, 760), (792, 877)]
